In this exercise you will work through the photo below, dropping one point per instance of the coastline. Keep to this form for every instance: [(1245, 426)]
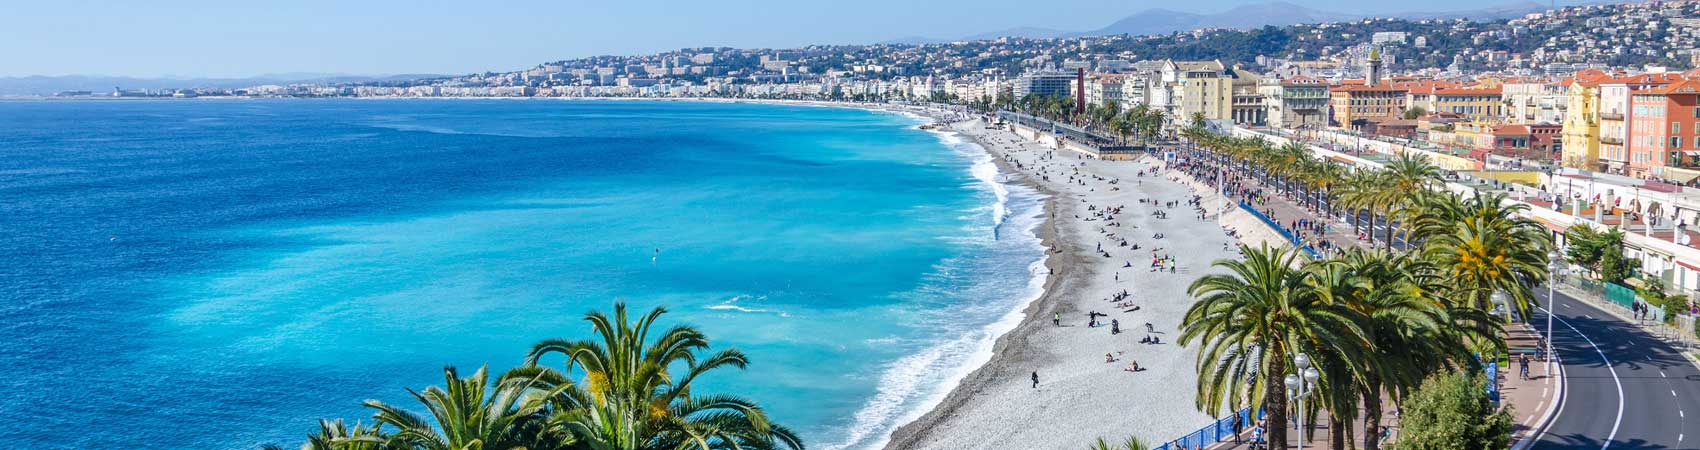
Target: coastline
[(1081, 397)]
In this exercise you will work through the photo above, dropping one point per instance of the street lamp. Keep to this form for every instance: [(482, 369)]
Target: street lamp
[(1502, 300), (1555, 268), (1299, 391)]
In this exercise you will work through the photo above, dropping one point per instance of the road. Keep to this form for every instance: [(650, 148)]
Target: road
[(1625, 389)]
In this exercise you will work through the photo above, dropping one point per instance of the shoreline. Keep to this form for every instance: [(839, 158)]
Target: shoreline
[(1081, 397), (1058, 268)]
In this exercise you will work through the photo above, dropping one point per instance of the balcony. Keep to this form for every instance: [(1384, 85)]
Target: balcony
[(1611, 116), (1613, 140)]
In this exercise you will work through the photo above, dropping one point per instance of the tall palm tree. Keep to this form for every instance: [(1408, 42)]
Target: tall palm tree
[(463, 417), (1363, 191), (1484, 244), (636, 392), (1407, 176), (1250, 321)]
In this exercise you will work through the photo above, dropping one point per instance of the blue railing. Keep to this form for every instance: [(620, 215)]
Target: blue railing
[(1221, 430), (1294, 239)]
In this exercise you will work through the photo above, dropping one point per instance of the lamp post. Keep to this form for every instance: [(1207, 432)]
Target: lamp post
[(1555, 268), (1502, 300), (1301, 389)]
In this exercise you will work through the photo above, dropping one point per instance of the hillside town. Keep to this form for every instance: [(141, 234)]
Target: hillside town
[(1607, 90)]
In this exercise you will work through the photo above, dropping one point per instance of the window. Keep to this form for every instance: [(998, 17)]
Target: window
[(1675, 127), (1675, 142)]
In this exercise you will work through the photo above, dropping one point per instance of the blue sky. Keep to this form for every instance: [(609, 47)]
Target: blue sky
[(234, 39)]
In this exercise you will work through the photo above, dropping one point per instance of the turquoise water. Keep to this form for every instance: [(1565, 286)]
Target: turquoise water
[(211, 274)]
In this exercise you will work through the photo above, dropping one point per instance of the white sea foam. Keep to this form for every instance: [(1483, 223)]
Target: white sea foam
[(915, 384), (731, 304)]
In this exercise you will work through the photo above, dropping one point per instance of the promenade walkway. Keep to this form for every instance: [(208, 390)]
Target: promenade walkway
[(1529, 397)]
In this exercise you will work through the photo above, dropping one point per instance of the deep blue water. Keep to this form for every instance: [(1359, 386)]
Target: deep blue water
[(220, 274)]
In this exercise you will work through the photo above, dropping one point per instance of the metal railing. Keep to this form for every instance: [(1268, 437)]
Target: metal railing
[(1218, 431), (1291, 238)]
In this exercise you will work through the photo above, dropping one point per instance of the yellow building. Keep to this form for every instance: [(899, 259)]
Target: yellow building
[(1206, 88), (1475, 104), (1581, 135)]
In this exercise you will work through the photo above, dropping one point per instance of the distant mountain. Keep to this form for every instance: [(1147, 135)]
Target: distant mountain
[(1277, 13), (48, 85)]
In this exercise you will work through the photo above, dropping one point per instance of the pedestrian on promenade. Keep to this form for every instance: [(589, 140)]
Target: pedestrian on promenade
[(1523, 365), (1056, 319), (1239, 424), (1035, 379)]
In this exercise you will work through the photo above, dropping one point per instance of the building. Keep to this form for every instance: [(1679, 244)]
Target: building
[(1355, 104), (1581, 133), (1104, 88), (1662, 125), (1046, 83), (1533, 101), (1246, 105), (1478, 104), (1616, 115), (1295, 102), (1205, 88)]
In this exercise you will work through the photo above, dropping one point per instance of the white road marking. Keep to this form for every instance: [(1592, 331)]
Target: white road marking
[(1615, 380), (1589, 316), (1673, 392), (1662, 374)]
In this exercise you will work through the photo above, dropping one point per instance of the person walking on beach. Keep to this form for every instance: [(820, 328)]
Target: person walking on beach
[(1056, 319), (1035, 379)]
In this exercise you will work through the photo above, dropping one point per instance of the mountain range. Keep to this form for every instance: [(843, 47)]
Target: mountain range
[(1278, 13), (48, 85)]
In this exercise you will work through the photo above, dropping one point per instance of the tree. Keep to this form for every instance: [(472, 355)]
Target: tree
[(464, 418), (1413, 113), (1452, 411), (1482, 245), (636, 393), (1250, 321), (336, 435), (1132, 443), (1408, 177)]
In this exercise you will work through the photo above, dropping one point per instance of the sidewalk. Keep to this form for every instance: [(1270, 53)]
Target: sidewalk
[(1530, 397)]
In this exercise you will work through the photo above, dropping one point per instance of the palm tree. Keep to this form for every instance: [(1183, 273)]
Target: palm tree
[(1407, 176), (636, 393), (1250, 321), (464, 418), (336, 435), (1132, 443), (1363, 191), (1484, 244)]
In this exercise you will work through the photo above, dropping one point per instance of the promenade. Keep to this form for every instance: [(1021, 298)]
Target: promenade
[(1529, 397)]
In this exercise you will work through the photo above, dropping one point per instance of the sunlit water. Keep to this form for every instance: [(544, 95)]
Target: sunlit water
[(220, 274)]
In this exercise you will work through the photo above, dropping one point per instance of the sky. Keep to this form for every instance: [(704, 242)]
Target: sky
[(203, 38)]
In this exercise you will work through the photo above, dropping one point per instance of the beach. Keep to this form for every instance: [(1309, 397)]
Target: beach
[(1084, 389)]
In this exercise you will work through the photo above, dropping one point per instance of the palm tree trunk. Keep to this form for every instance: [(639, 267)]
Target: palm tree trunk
[(1336, 432), (1390, 228), (1275, 402), (1372, 415)]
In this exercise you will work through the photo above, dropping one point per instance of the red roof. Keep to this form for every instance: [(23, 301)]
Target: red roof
[(1680, 87), (1468, 91)]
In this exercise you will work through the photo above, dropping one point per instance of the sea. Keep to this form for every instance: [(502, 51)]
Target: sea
[(221, 274)]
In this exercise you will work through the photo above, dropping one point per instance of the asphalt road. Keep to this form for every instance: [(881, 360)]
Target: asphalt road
[(1625, 389)]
